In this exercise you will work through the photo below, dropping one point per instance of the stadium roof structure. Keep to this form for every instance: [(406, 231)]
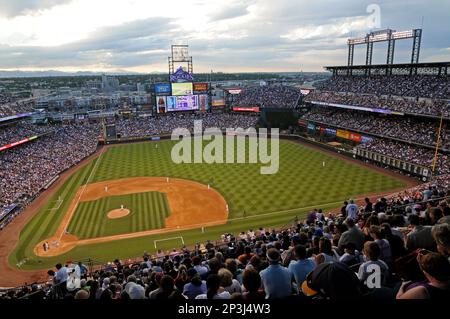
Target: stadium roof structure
[(431, 68)]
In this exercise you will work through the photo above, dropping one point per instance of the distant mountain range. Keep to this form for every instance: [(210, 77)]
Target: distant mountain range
[(55, 73), (46, 73)]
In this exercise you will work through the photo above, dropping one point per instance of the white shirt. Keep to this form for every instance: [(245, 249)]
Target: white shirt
[(222, 295)]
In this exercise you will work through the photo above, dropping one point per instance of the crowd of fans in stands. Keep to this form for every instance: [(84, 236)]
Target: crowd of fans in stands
[(410, 153), (399, 104), (397, 247), (278, 96), (137, 127), (428, 86), (419, 131), (24, 129), (26, 169)]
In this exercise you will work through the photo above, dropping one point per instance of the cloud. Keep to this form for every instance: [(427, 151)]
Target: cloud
[(231, 12), (12, 8), (251, 35)]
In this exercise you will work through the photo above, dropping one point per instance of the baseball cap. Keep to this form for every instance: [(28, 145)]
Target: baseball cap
[(334, 280)]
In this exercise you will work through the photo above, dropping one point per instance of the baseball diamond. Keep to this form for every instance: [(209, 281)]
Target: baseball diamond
[(268, 201)]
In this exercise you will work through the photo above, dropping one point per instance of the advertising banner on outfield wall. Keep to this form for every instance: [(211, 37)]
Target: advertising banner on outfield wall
[(365, 139), (302, 123), (343, 134), (311, 126), (331, 131), (355, 137)]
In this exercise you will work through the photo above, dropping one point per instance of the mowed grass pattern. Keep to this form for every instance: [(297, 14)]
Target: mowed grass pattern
[(148, 211), (301, 180), (300, 185)]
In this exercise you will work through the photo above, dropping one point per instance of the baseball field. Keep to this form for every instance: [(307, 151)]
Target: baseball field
[(132, 198)]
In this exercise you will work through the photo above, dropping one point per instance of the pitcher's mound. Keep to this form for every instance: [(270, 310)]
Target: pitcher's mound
[(118, 213)]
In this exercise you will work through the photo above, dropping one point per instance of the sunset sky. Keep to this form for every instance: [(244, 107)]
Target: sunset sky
[(228, 36)]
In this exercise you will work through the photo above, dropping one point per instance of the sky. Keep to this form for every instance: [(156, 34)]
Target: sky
[(223, 36)]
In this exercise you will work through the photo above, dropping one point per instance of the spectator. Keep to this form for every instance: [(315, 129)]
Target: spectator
[(252, 284), (214, 289), (420, 236), (276, 279), (302, 266), (196, 287), (436, 269), (352, 235), (441, 235), (374, 272)]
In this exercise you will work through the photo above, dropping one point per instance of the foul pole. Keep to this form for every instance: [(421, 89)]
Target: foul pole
[(437, 146)]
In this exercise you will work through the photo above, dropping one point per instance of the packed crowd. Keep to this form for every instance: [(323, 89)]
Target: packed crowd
[(429, 86), (397, 247), (419, 131), (399, 104), (137, 127), (18, 131), (278, 96), (9, 107), (25, 170), (405, 152)]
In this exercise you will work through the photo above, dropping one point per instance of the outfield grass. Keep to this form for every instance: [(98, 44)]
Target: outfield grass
[(148, 211), (268, 200)]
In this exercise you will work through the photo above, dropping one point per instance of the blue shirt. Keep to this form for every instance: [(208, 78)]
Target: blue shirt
[(352, 211), (277, 281), (300, 269), (61, 275), (191, 291)]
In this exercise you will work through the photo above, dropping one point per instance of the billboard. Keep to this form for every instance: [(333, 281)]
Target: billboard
[(305, 91), (182, 89), (161, 104), (355, 137), (331, 131), (181, 76), (234, 91), (203, 102), (182, 103), (162, 89), (343, 134), (218, 102), (366, 139), (302, 122), (246, 109), (25, 140), (200, 87)]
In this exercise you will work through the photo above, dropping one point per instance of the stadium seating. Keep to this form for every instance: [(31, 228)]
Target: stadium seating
[(385, 234)]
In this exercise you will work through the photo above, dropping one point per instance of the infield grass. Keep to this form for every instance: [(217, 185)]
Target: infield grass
[(148, 210)]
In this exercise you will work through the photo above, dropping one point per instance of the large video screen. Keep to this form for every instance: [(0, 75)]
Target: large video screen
[(182, 103), (182, 89), (162, 88)]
